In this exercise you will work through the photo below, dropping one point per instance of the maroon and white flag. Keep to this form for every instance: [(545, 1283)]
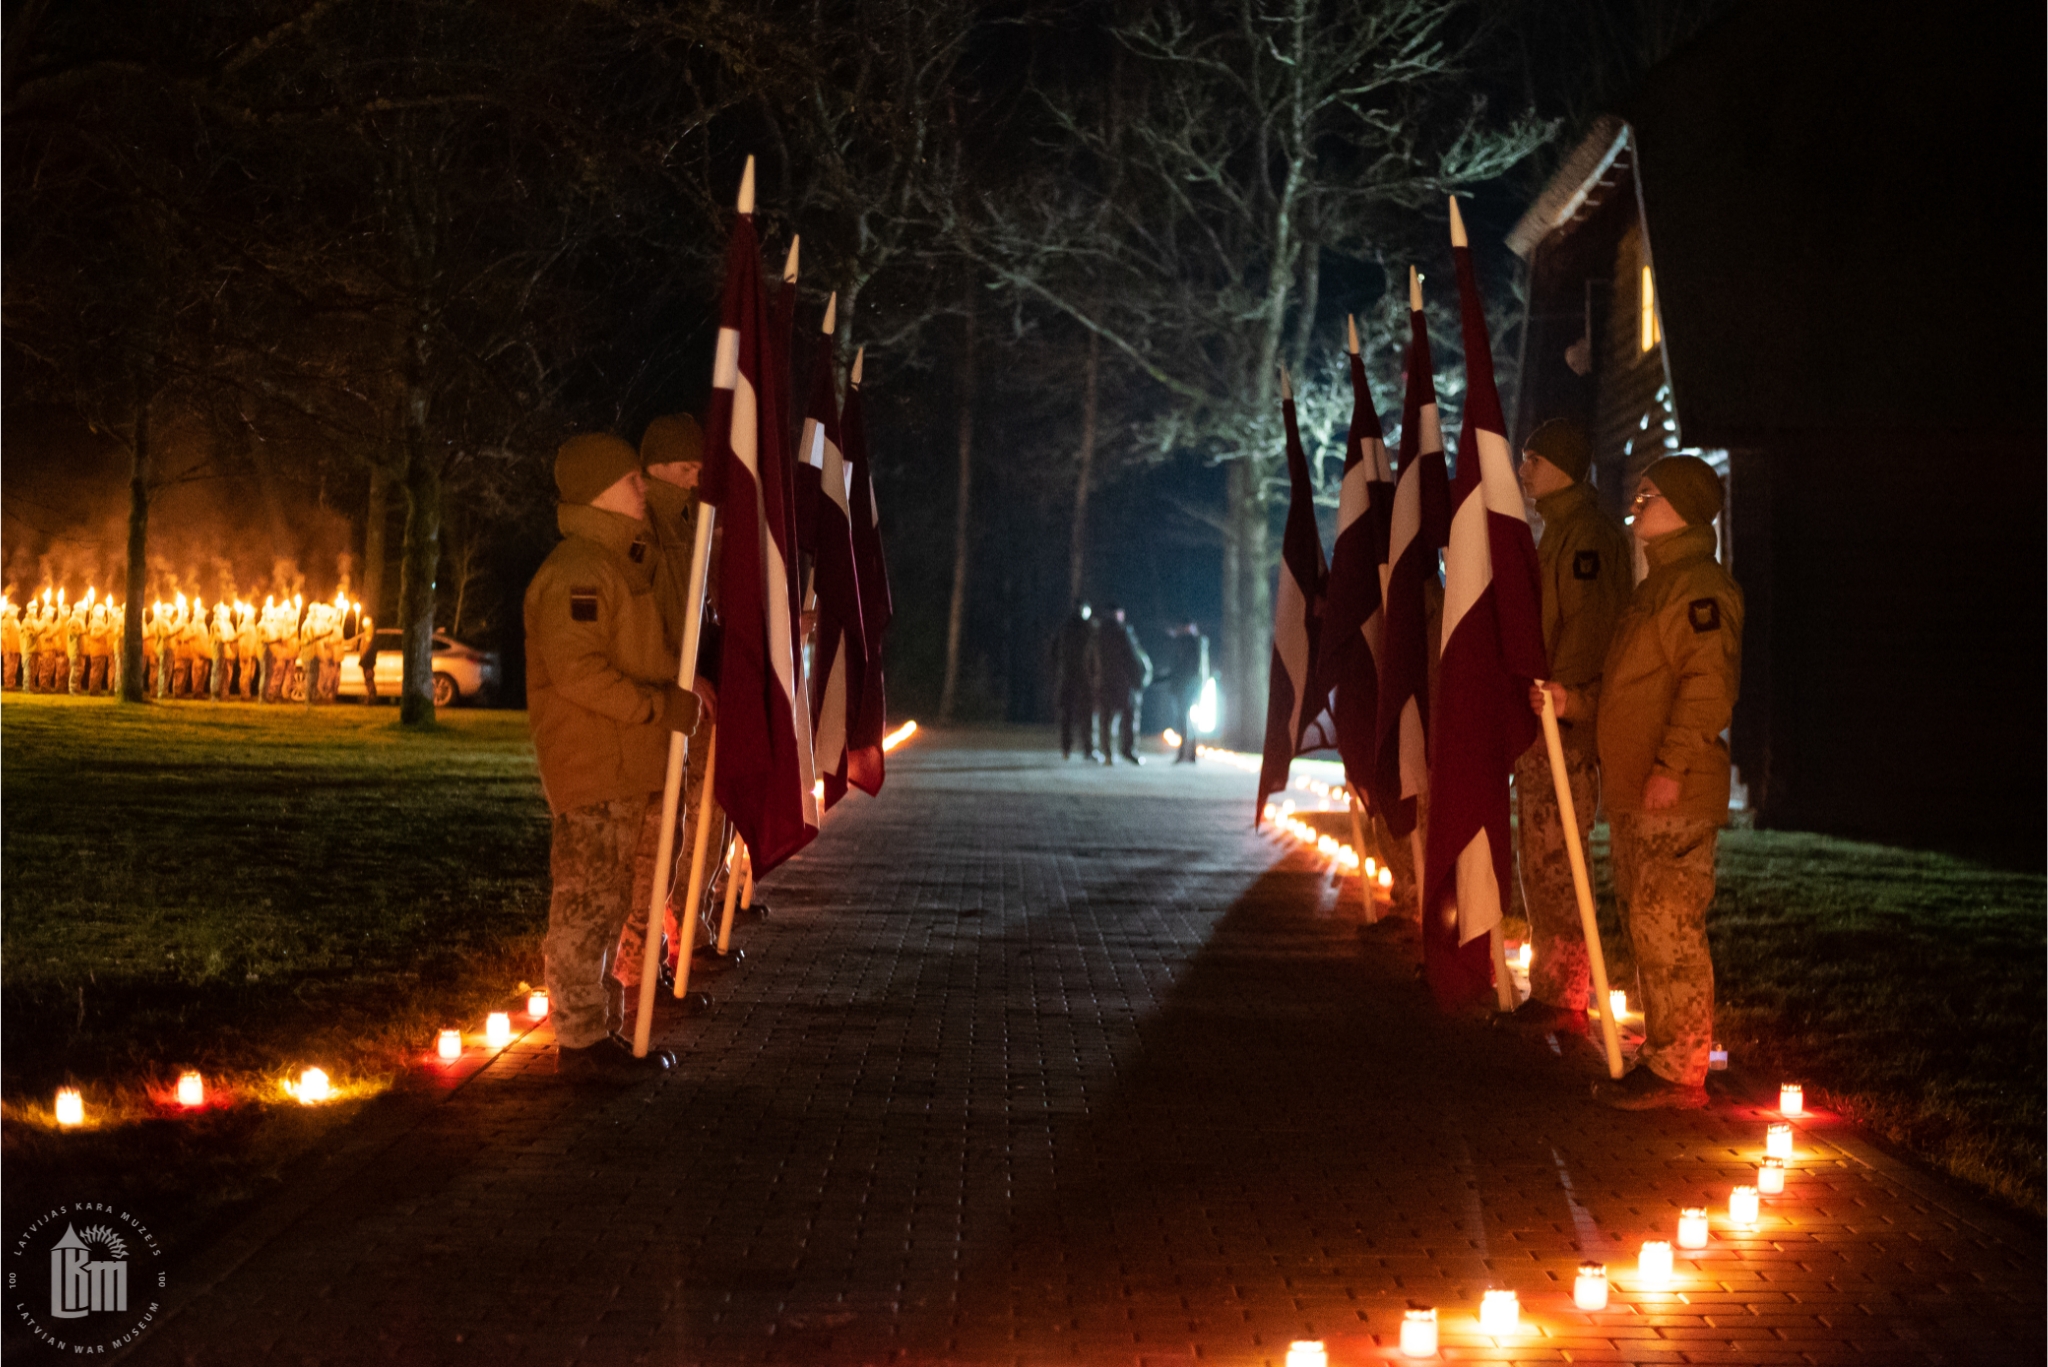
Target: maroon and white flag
[(1293, 704), (839, 649), (1492, 651), (1353, 622), (1418, 526), (762, 759), (782, 344), (869, 720)]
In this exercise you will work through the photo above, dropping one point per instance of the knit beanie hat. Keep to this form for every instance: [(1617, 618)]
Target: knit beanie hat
[(672, 438), (1560, 442), (1691, 485), (589, 464)]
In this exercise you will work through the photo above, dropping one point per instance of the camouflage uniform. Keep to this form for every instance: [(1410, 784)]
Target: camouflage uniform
[(1664, 881), (632, 947), (602, 862), (1560, 971)]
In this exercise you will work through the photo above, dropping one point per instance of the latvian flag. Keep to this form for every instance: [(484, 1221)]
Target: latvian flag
[(1348, 653), (1292, 704), (1419, 525), (761, 782), (1492, 650), (839, 650), (870, 709)]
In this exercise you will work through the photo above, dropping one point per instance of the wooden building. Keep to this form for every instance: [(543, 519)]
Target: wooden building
[(1810, 248)]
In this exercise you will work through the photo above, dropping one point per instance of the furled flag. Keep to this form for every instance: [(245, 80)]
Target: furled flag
[(761, 780), (839, 650), (870, 709), (796, 513), (1293, 706), (1348, 653), (1492, 650), (1418, 527)]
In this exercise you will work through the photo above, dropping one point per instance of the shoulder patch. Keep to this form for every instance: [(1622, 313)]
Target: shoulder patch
[(1704, 614), (637, 552), (583, 605), (1586, 565)]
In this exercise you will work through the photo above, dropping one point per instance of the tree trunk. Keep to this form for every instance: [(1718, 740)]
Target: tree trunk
[(420, 563), (138, 559), (956, 614), (1247, 644), (375, 523), (1078, 546)]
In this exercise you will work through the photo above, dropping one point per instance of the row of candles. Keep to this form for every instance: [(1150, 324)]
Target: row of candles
[(313, 1085), (1500, 1311)]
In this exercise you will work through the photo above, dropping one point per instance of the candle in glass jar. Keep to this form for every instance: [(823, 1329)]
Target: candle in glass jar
[(1617, 1002), (1653, 1265), (498, 1029), (70, 1106), (191, 1089), (1418, 1334), (1692, 1227), (1500, 1312), (1791, 1099), (1770, 1176), (537, 1005), (1742, 1207), (1589, 1292), (449, 1046), (1307, 1353), (1778, 1141)]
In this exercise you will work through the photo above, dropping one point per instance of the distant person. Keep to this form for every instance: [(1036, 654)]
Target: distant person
[(10, 646), (367, 662), (1666, 692), (1073, 663), (602, 702), (221, 635), (99, 648), (248, 650), (1122, 670), (1187, 669), (1584, 559), (74, 649)]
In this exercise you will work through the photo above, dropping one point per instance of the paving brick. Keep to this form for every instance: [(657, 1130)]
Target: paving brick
[(1037, 1064)]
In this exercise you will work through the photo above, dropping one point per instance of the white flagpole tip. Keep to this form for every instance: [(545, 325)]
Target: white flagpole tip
[(1457, 225), (1414, 290), (789, 263), (1351, 322), (858, 356), (746, 204), (831, 313), (1286, 389)]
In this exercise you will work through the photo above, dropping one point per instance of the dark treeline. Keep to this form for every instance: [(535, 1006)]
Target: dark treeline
[(384, 254)]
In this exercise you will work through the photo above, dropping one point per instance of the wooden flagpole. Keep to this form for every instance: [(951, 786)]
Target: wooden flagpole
[(732, 892), (1365, 884), (686, 915), (678, 749), (1610, 1030)]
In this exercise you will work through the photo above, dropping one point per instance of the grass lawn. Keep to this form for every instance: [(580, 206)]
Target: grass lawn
[(244, 890)]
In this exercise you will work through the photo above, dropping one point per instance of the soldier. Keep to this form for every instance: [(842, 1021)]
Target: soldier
[(366, 660), (1585, 560), (164, 628), (99, 647), (602, 702), (221, 636), (1073, 659), (248, 649), (195, 652), (1122, 670), (10, 645), (1665, 694), (312, 631), (270, 627), (1187, 669)]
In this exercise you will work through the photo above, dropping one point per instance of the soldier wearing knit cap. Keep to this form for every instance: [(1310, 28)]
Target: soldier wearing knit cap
[(1584, 562), (1665, 695), (602, 702)]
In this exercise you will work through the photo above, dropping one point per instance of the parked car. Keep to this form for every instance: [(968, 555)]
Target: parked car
[(462, 673)]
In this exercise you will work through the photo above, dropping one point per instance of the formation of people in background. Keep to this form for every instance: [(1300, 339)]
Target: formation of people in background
[(286, 649), (1100, 674)]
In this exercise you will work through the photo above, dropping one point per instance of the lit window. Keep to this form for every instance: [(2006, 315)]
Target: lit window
[(1653, 331)]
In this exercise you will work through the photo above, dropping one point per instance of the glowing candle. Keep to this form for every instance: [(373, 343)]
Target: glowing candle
[(1527, 956), (1653, 1265), (1770, 1176), (1617, 1002), (1386, 879), (70, 1106), (1692, 1227), (1418, 1334), (1372, 868), (314, 1087), (450, 1047), (1717, 1060), (1778, 1141), (1307, 1353), (537, 1005), (1326, 845), (1589, 1292), (1791, 1099), (1742, 1207), (497, 1029), (1500, 1312), (191, 1089)]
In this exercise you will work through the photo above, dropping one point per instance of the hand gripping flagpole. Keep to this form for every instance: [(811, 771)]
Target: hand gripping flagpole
[(678, 747), (1610, 1033)]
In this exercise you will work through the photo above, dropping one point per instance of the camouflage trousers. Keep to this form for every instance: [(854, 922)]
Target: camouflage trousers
[(598, 855), (632, 947), (1560, 973), (1664, 880)]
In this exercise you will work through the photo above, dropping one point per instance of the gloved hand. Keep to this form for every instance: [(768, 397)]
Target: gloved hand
[(680, 709)]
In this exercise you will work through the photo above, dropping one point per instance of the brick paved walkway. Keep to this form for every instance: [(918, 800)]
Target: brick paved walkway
[(1037, 1064)]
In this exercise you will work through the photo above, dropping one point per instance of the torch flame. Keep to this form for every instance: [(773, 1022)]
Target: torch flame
[(899, 735)]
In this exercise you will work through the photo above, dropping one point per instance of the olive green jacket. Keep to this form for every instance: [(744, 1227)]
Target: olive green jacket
[(1669, 683), (1585, 560)]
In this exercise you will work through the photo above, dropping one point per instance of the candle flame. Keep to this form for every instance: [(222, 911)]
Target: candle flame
[(899, 735)]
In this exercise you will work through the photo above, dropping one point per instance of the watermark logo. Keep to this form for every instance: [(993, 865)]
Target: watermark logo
[(104, 1283)]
